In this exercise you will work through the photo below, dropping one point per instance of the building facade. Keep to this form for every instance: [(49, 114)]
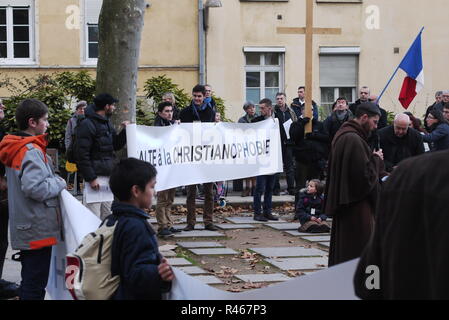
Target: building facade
[(238, 51)]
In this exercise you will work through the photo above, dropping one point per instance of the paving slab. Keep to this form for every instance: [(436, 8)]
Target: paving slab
[(250, 220), (168, 253), (272, 277), (213, 251), (183, 225), (301, 234), (178, 262), (198, 234), (198, 219), (289, 252), (199, 244), (298, 263), (326, 244), (193, 270), (209, 279), (284, 226), (232, 226), (317, 239)]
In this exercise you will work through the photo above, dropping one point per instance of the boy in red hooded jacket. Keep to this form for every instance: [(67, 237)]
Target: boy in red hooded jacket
[(33, 189)]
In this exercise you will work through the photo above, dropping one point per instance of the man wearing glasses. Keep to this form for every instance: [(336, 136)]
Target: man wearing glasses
[(8, 289)]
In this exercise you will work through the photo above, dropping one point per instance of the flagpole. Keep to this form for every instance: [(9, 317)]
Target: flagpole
[(396, 71)]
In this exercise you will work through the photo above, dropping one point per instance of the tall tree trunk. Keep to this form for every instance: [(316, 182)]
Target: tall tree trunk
[(120, 28)]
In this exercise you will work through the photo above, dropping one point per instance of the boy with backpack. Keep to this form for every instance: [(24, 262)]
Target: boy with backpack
[(144, 273), (33, 189)]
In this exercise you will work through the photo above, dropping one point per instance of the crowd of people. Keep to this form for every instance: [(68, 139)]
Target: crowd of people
[(336, 170)]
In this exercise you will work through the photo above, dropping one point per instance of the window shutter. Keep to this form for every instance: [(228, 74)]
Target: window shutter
[(339, 70), (93, 8)]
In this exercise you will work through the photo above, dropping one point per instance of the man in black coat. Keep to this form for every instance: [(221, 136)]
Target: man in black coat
[(407, 255), (199, 111), (299, 103), (96, 141), (340, 114), (310, 151), (399, 142)]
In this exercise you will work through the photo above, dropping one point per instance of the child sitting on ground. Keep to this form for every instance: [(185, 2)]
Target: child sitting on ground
[(144, 273), (309, 209)]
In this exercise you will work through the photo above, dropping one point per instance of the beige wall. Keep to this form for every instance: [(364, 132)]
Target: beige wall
[(169, 43), (239, 24)]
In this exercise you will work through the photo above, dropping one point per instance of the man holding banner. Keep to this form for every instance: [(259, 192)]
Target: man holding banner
[(199, 111)]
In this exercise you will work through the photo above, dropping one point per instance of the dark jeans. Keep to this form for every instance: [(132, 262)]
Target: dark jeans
[(289, 169), (35, 270), (264, 185), (3, 231)]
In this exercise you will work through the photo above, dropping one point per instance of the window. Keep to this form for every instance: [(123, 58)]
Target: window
[(338, 75), (16, 33), (92, 13), (264, 75)]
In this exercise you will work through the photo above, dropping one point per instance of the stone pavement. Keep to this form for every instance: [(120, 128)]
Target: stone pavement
[(244, 254)]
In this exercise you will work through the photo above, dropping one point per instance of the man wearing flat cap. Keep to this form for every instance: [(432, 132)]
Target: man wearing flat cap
[(353, 184)]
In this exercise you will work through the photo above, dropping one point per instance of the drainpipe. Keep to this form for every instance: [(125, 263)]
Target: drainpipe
[(201, 43)]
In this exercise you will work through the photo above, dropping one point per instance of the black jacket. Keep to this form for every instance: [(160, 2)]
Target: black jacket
[(161, 122), (298, 107), (135, 255), (332, 124), (304, 207), (191, 113), (312, 148), (396, 149), (96, 141)]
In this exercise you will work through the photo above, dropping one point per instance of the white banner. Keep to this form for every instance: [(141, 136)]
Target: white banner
[(78, 221), (331, 284), (193, 153)]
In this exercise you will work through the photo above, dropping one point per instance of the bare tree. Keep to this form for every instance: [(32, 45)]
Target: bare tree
[(120, 29)]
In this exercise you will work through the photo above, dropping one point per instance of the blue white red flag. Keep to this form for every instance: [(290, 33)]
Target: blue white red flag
[(412, 64)]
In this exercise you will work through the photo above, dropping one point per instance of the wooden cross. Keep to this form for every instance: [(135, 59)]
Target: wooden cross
[(309, 31)]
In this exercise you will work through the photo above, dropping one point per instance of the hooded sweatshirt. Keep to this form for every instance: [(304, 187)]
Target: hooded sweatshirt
[(33, 190)]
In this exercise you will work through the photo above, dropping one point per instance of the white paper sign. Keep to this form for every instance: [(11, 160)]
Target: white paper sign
[(102, 195), (287, 125)]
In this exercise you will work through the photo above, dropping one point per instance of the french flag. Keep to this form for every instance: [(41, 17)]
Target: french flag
[(412, 64)]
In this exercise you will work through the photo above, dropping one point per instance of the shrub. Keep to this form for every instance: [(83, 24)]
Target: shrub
[(155, 87)]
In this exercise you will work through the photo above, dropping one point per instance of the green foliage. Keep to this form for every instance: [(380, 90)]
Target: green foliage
[(56, 91), (221, 108), (47, 90), (390, 117), (144, 113), (80, 85), (156, 87)]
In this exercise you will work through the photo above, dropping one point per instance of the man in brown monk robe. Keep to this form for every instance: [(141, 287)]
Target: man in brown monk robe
[(407, 257), (353, 183)]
